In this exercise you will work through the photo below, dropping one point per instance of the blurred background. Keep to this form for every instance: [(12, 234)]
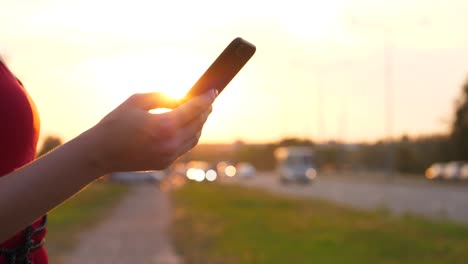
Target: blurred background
[(361, 103), (370, 85)]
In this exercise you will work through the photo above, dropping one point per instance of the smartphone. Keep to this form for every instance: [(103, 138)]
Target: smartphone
[(224, 68)]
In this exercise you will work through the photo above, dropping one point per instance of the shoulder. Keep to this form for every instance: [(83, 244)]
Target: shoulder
[(3, 60), (4, 56)]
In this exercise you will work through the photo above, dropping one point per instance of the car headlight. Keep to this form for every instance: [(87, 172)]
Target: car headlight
[(311, 173)]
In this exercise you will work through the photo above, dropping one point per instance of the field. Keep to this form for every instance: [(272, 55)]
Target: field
[(230, 224)]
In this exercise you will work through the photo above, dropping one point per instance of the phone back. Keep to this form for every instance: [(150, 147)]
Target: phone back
[(224, 68)]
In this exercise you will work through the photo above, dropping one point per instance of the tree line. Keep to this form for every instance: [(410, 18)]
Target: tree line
[(406, 154)]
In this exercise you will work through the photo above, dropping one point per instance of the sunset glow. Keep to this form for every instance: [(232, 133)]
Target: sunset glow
[(316, 74)]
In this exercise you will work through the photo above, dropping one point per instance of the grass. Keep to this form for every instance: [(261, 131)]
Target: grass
[(230, 224), (79, 213)]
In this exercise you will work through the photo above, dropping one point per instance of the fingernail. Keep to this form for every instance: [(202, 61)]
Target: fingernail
[(211, 94)]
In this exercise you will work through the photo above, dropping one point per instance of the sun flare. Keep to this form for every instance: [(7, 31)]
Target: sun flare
[(122, 76)]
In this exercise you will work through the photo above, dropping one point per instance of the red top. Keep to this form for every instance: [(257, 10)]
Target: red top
[(19, 131)]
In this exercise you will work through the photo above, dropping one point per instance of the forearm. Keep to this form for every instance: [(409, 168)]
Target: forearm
[(36, 188), (129, 138)]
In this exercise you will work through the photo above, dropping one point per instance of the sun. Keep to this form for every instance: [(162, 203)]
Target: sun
[(121, 76)]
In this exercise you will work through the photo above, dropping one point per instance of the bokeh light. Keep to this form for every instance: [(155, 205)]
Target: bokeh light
[(199, 175), (211, 175), (230, 171)]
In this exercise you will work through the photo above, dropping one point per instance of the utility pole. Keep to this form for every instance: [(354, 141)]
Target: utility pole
[(388, 78)]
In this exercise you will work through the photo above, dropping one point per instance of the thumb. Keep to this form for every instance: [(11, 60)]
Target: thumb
[(148, 101)]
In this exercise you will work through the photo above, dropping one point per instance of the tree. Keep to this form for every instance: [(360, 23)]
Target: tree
[(287, 142), (50, 142), (261, 156), (459, 134), (406, 159)]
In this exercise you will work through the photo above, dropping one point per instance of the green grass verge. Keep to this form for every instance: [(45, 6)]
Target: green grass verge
[(79, 213), (230, 224)]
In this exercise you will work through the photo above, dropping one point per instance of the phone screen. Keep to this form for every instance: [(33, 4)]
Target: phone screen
[(224, 68)]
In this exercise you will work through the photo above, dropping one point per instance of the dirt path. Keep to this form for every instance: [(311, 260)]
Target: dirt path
[(136, 232)]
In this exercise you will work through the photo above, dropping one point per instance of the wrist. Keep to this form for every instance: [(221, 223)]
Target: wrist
[(94, 156)]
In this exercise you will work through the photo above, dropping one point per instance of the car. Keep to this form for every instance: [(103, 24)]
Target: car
[(245, 170), (435, 171), (296, 164), (137, 176), (451, 170), (200, 171), (226, 169), (464, 172)]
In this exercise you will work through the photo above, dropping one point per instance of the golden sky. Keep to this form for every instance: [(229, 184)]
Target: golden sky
[(318, 72)]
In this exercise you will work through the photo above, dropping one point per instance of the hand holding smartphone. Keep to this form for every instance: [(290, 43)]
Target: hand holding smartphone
[(224, 68)]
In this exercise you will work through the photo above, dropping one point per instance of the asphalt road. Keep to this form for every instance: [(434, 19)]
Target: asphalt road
[(433, 200)]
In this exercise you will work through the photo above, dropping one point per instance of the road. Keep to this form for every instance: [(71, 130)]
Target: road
[(441, 201), (136, 232)]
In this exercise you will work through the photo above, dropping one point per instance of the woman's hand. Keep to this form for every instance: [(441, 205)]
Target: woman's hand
[(131, 139)]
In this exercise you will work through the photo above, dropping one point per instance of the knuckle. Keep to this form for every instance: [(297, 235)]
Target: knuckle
[(135, 97), (201, 122), (206, 115), (195, 142)]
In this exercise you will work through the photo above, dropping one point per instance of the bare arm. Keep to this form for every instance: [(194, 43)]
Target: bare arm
[(129, 138)]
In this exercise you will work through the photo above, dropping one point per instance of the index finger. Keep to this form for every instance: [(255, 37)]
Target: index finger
[(192, 108)]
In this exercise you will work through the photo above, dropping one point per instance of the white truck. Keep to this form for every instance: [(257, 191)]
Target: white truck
[(296, 164)]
